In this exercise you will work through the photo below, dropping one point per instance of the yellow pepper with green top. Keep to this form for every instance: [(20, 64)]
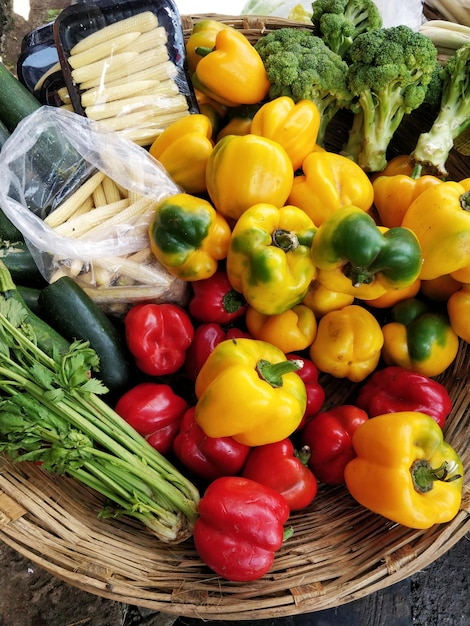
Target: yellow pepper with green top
[(188, 236), (269, 258)]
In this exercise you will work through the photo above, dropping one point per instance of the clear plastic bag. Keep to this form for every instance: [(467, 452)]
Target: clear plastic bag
[(51, 159)]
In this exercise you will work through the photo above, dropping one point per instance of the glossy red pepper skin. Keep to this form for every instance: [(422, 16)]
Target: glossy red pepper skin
[(158, 336), (240, 527), (207, 457), (315, 393), (206, 337), (155, 411), (329, 437), (215, 300), (279, 466), (395, 389)]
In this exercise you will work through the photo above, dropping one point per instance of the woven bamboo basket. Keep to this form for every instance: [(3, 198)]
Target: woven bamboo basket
[(339, 551)]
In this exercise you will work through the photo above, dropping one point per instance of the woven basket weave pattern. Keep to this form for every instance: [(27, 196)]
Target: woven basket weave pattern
[(338, 552)]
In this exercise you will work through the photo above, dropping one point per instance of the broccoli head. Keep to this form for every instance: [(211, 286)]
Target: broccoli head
[(300, 65), (339, 22), (453, 117), (389, 73)]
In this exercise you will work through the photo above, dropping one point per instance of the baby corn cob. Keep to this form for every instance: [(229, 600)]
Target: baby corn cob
[(126, 78)]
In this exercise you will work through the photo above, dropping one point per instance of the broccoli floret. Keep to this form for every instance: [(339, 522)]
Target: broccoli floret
[(389, 73), (339, 22), (432, 99), (300, 65), (433, 147)]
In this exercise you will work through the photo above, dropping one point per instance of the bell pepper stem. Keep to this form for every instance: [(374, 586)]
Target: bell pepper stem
[(272, 373), (358, 275), (203, 51), (284, 239), (304, 454), (465, 201), (233, 301), (424, 475), (417, 171)]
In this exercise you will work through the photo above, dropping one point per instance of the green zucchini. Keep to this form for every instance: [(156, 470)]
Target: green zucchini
[(19, 261), (48, 339), (8, 231), (73, 313), (30, 297), (16, 101)]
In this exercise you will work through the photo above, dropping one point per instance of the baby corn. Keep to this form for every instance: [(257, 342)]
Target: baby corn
[(126, 78)]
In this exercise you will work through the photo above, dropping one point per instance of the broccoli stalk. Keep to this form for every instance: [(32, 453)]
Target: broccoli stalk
[(389, 71), (433, 147), (339, 22), (300, 65)]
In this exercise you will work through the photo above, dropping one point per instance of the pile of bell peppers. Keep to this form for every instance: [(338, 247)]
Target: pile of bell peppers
[(300, 267)]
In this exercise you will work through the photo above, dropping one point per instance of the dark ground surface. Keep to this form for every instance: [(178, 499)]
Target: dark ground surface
[(29, 596)]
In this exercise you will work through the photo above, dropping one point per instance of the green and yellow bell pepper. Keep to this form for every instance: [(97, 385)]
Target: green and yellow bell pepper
[(294, 125), (244, 170), (247, 389), (330, 181), (348, 343), (355, 256), (419, 339), (231, 72), (183, 149), (269, 259), (440, 218), (188, 236), (405, 471)]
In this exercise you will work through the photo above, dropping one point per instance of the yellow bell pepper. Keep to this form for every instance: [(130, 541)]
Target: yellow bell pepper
[(322, 300), (458, 309), (441, 288), (348, 343), (330, 181), (419, 339), (290, 331), (183, 149), (238, 120), (203, 35), (390, 298), (440, 218), (269, 259), (247, 390), (405, 471), (393, 195), (294, 125), (244, 170), (231, 72), (188, 237)]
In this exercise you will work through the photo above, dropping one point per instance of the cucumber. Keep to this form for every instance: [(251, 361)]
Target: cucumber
[(73, 313), (48, 339), (23, 269), (4, 134), (16, 102)]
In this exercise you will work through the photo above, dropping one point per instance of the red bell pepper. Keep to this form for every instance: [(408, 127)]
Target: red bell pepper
[(158, 336), (315, 393), (328, 435), (215, 300), (206, 337), (207, 457), (395, 389), (240, 527), (279, 466), (154, 411)]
